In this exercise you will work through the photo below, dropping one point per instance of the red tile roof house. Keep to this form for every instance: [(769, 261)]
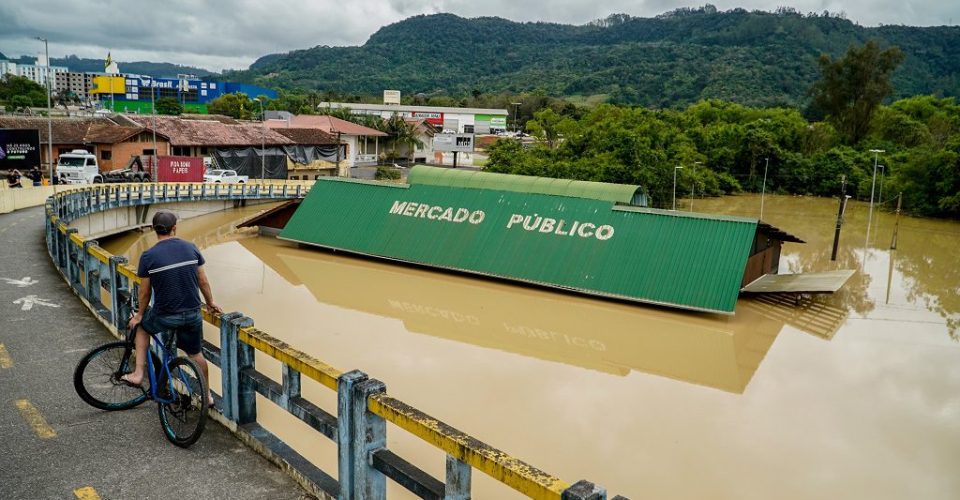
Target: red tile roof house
[(237, 144), (363, 143), (113, 140)]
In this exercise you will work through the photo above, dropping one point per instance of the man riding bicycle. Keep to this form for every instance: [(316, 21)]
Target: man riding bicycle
[(172, 273)]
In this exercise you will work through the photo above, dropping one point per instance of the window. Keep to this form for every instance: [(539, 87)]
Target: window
[(468, 129), (181, 151), (147, 152), (105, 154)]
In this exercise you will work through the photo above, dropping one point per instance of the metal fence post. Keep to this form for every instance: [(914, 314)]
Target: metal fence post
[(115, 262), (584, 490), (458, 480), (239, 398)]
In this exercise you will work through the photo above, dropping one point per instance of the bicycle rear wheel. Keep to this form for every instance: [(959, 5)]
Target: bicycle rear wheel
[(184, 417), (97, 378)]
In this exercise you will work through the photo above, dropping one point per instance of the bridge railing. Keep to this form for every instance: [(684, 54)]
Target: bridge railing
[(363, 405)]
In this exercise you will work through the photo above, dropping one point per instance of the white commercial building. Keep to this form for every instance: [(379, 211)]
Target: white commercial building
[(458, 120)]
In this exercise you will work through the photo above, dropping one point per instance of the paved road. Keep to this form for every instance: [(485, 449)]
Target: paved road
[(52, 445)]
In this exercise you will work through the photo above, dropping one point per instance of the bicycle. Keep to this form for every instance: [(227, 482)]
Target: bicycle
[(175, 383)]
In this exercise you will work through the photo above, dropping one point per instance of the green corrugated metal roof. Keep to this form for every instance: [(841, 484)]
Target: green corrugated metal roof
[(615, 193), (674, 258)]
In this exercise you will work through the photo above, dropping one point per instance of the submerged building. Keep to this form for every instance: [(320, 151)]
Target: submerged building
[(593, 238)]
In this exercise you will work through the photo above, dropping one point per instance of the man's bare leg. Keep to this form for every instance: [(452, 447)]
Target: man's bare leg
[(141, 342)]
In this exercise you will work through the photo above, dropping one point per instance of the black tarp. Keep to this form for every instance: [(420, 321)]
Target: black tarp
[(246, 161), (268, 163), (307, 154)]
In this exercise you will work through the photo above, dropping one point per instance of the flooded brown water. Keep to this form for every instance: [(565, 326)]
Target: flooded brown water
[(855, 395)]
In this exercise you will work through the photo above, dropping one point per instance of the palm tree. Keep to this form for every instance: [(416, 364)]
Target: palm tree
[(402, 133)]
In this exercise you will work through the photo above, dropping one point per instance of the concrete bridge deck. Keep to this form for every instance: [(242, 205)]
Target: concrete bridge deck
[(53, 444)]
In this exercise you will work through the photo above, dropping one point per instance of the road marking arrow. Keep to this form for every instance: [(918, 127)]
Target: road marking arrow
[(28, 302), (21, 283)]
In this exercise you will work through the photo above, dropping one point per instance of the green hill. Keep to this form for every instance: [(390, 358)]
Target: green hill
[(753, 58)]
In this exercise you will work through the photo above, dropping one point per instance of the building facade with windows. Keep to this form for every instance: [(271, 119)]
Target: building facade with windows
[(137, 93), (457, 120)]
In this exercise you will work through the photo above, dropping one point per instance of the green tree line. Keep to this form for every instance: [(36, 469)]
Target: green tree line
[(733, 143)]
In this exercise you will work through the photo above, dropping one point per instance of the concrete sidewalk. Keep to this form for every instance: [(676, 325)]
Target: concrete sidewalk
[(52, 444)]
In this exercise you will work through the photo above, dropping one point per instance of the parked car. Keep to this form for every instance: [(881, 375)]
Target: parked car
[(224, 176)]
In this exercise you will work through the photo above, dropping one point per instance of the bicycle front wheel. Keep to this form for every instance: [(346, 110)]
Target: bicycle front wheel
[(185, 415), (97, 378)]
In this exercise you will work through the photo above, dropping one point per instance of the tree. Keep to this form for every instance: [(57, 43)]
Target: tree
[(851, 88), (236, 105), (402, 133), (169, 106)]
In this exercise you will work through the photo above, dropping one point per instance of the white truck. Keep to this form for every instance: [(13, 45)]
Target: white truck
[(224, 176), (78, 167)]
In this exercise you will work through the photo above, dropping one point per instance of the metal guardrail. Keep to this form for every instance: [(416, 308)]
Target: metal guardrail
[(363, 408)]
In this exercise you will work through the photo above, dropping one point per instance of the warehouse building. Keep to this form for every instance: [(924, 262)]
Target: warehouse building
[(458, 120)]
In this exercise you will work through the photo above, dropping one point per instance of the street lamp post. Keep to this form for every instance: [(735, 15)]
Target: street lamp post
[(263, 141), (46, 50), (763, 188), (693, 183), (153, 104), (876, 154), (516, 113), (678, 167)]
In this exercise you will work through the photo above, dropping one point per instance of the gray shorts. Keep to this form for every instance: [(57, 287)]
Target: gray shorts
[(188, 326)]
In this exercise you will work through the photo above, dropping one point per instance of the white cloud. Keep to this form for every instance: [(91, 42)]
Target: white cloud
[(219, 35)]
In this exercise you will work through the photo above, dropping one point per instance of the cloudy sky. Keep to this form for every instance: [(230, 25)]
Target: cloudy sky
[(231, 34)]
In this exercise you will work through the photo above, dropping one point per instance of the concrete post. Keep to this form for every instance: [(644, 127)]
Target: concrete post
[(291, 386), (458, 480), (360, 433), (239, 400), (584, 490), (72, 255), (91, 269), (114, 276)]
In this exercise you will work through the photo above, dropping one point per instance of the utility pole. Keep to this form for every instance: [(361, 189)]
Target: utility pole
[(693, 184), (873, 187), (763, 189), (46, 50), (843, 207), (678, 167), (896, 225), (153, 104)]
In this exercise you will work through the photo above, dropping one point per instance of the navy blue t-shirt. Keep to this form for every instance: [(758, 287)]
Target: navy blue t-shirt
[(172, 266)]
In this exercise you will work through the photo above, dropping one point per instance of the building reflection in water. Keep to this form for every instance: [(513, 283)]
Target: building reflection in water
[(717, 351)]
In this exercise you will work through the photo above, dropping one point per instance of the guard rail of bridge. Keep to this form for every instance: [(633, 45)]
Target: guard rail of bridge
[(363, 409)]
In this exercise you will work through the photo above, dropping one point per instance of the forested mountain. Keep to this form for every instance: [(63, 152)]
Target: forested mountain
[(138, 68), (753, 58)]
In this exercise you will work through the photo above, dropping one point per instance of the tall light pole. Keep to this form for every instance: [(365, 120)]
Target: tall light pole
[(516, 113), (693, 183), (678, 167), (46, 50), (153, 104), (763, 189), (876, 154), (263, 142)]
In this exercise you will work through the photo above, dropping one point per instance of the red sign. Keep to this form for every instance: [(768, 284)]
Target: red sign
[(180, 169), (431, 117)]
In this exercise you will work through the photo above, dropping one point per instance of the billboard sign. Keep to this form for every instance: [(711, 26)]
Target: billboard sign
[(19, 148), (453, 143), (180, 169), (391, 97), (431, 117)]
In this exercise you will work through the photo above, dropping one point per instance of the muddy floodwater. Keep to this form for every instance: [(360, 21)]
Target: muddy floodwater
[(855, 395)]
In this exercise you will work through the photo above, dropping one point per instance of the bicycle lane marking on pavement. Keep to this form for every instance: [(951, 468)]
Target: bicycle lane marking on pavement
[(5, 360), (86, 493), (36, 421)]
